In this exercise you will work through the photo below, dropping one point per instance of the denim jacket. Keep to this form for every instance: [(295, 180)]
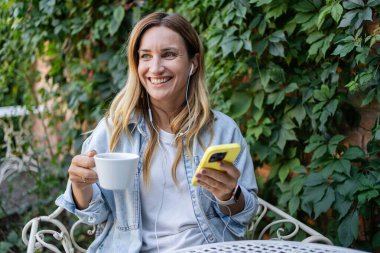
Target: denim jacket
[(119, 212)]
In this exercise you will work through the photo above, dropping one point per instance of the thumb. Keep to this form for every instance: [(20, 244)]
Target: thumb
[(91, 153)]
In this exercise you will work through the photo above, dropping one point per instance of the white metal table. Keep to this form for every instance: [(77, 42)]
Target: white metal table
[(263, 246)]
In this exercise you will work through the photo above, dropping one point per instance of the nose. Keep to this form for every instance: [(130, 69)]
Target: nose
[(156, 66)]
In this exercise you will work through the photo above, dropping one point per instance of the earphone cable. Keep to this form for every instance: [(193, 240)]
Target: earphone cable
[(229, 212)]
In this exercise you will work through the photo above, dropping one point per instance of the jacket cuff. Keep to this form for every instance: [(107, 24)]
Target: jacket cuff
[(239, 221), (95, 213)]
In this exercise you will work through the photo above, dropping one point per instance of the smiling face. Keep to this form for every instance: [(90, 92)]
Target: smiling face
[(164, 66)]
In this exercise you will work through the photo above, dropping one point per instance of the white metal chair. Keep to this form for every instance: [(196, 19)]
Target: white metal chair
[(34, 237)]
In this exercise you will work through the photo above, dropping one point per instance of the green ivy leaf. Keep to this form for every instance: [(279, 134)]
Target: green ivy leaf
[(228, 45), (284, 170), (285, 196), (240, 103), (276, 49), (373, 3), (336, 139), (258, 99), (314, 142), (241, 9), (314, 194), (260, 47), (291, 87), (284, 136), (276, 98), (369, 97), (352, 86), (343, 50), (298, 112), (344, 166), (325, 203), (341, 205), (313, 37), (347, 188), (366, 196), (293, 205), (327, 170), (348, 229), (283, 173), (315, 47), (331, 107), (297, 183), (319, 152), (333, 143), (326, 43), (277, 36), (352, 4), (322, 15), (314, 179), (348, 18), (117, 18), (336, 12), (213, 41), (47, 6), (5, 246), (353, 153), (13, 237)]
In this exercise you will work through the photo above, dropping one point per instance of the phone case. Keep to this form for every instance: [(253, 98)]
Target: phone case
[(214, 154)]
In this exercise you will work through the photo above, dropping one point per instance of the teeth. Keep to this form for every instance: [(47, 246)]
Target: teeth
[(159, 80)]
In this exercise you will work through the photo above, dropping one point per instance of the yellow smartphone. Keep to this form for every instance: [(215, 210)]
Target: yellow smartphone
[(214, 154)]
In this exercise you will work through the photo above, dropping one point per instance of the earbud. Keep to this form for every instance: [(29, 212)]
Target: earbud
[(191, 69)]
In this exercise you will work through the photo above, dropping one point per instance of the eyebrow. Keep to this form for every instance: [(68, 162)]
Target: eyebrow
[(164, 50)]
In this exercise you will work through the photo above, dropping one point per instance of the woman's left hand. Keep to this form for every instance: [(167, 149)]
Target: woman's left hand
[(220, 183)]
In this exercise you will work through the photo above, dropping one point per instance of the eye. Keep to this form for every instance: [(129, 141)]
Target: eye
[(169, 55), (145, 56)]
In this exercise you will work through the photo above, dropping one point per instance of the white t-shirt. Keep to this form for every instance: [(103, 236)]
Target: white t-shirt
[(168, 220)]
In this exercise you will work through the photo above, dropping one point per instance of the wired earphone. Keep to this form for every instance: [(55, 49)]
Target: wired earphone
[(180, 134)]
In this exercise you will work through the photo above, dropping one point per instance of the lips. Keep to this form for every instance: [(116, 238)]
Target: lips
[(159, 80)]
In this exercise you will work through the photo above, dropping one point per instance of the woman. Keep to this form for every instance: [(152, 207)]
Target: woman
[(163, 114)]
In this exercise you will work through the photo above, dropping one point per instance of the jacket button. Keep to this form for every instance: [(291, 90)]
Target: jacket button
[(211, 238), (91, 219)]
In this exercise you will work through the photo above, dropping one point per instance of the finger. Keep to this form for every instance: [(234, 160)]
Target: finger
[(216, 187), (230, 169), (76, 171), (83, 161), (209, 188), (210, 181), (222, 177), (82, 180), (91, 153)]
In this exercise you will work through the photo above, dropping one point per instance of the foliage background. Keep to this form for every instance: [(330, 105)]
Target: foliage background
[(293, 74)]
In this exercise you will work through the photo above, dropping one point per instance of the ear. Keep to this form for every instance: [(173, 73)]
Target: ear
[(195, 62)]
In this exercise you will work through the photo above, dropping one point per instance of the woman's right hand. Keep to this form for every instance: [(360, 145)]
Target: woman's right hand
[(82, 177), (80, 171)]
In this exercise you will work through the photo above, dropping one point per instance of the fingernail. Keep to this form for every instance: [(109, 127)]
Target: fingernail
[(198, 175), (222, 164)]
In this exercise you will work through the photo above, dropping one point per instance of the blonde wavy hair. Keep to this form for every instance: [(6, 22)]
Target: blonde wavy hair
[(131, 101)]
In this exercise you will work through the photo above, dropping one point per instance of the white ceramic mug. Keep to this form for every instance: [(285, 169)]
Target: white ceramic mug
[(116, 171)]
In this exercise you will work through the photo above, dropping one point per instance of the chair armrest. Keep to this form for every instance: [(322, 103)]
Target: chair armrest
[(37, 235), (264, 207)]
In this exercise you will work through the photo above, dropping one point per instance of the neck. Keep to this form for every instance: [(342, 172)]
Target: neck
[(163, 116)]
